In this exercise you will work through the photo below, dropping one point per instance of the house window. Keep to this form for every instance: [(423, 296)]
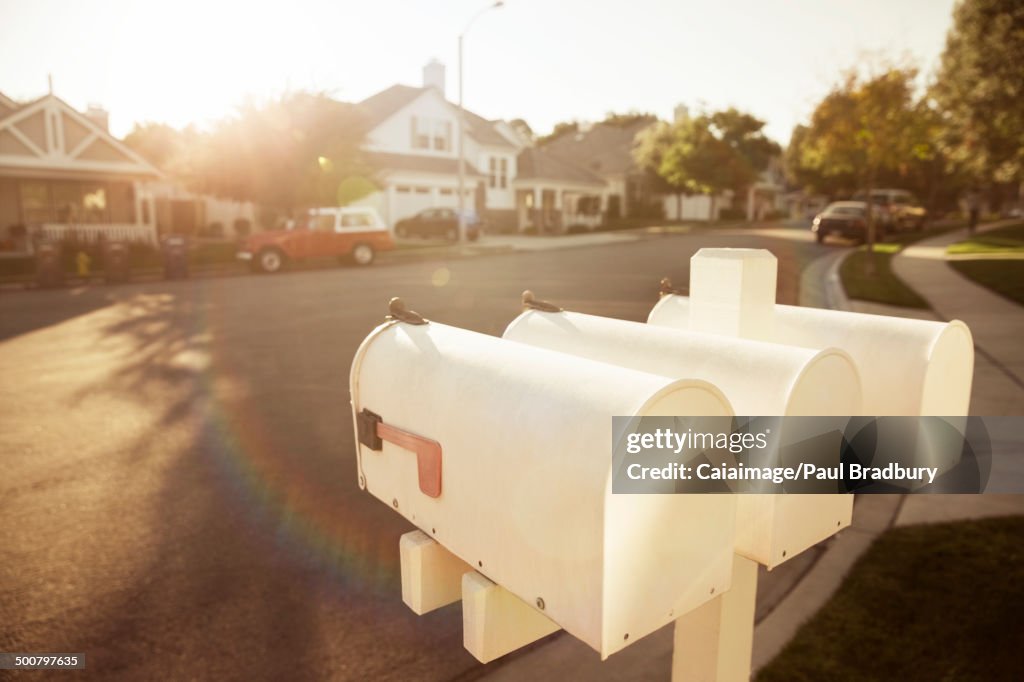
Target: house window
[(420, 133), (67, 201), (442, 135), (422, 190), (94, 204), (446, 192), (402, 189), (497, 176), (431, 133), (35, 202)]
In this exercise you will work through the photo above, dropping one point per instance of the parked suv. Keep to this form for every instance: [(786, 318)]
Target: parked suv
[(348, 234), (438, 222), (900, 210)]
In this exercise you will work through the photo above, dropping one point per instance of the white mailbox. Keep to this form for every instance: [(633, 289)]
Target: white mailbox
[(907, 367), (502, 453), (758, 379)]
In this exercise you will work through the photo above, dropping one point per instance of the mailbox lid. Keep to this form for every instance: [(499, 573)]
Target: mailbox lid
[(526, 435)]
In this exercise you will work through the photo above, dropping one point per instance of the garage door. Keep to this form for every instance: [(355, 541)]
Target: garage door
[(410, 200)]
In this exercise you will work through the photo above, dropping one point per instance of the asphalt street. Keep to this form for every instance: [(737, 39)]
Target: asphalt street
[(178, 495)]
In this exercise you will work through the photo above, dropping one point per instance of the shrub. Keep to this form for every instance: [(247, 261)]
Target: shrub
[(732, 214)]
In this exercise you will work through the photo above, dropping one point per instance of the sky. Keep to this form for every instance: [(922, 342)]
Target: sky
[(542, 60)]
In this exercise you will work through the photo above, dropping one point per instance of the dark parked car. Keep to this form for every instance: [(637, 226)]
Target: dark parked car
[(438, 223), (898, 208), (846, 218)]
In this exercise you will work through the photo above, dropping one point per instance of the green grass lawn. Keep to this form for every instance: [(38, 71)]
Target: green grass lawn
[(1008, 239), (1005, 277), (935, 602), (868, 276)]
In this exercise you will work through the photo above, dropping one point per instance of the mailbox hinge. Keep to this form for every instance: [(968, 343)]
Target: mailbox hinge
[(531, 302), (666, 288), (372, 432)]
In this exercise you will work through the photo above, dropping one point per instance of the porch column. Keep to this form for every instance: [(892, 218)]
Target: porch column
[(522, 216), (538, 209), (389, 204)]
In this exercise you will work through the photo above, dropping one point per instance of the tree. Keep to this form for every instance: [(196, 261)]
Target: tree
[(297, 150), (522, 128), (649, 151), (560, 129), (706, 154), (980, 87), (163, 146), (745, 135), (864, 131), (628, 119)]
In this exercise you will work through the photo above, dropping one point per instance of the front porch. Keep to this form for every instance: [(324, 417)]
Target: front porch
[(64, 177), (554, 210), (80, 211)]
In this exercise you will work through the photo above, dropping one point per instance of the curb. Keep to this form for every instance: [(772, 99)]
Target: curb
[(835, 294)]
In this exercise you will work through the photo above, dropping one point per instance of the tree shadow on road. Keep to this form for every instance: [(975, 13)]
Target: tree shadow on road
[(252, 555)]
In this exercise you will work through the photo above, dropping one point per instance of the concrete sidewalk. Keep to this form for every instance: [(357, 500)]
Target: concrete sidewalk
[(996, 323)]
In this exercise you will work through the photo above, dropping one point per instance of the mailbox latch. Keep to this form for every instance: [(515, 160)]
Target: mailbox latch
[(372, 432)]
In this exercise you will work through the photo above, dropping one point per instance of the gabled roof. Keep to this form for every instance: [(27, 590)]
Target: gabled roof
[(536, 164), (387, 102), (7, 105), (49, 135), (386, 161), (605, 148)]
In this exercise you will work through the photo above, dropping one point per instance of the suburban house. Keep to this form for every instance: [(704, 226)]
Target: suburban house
[(412, 143), (62, 173), (768, 196), (606, 149)]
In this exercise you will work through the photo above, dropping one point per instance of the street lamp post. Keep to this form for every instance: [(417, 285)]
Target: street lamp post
[(462, 127)]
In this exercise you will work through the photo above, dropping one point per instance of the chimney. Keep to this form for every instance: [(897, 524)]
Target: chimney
[(433, 76), (681, 113), (99, 116)]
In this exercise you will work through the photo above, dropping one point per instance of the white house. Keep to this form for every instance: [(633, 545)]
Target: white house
[(412, 142), (61, 172)]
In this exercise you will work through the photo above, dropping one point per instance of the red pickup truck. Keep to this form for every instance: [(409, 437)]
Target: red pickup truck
[(349, 234)]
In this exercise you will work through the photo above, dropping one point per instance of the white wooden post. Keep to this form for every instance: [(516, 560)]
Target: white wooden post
[(714, 642), (431, 575), (732, 293), (496, 622)]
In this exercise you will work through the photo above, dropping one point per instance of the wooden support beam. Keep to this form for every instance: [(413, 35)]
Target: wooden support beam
[(714, 642), (496, 622), (431, 575)]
